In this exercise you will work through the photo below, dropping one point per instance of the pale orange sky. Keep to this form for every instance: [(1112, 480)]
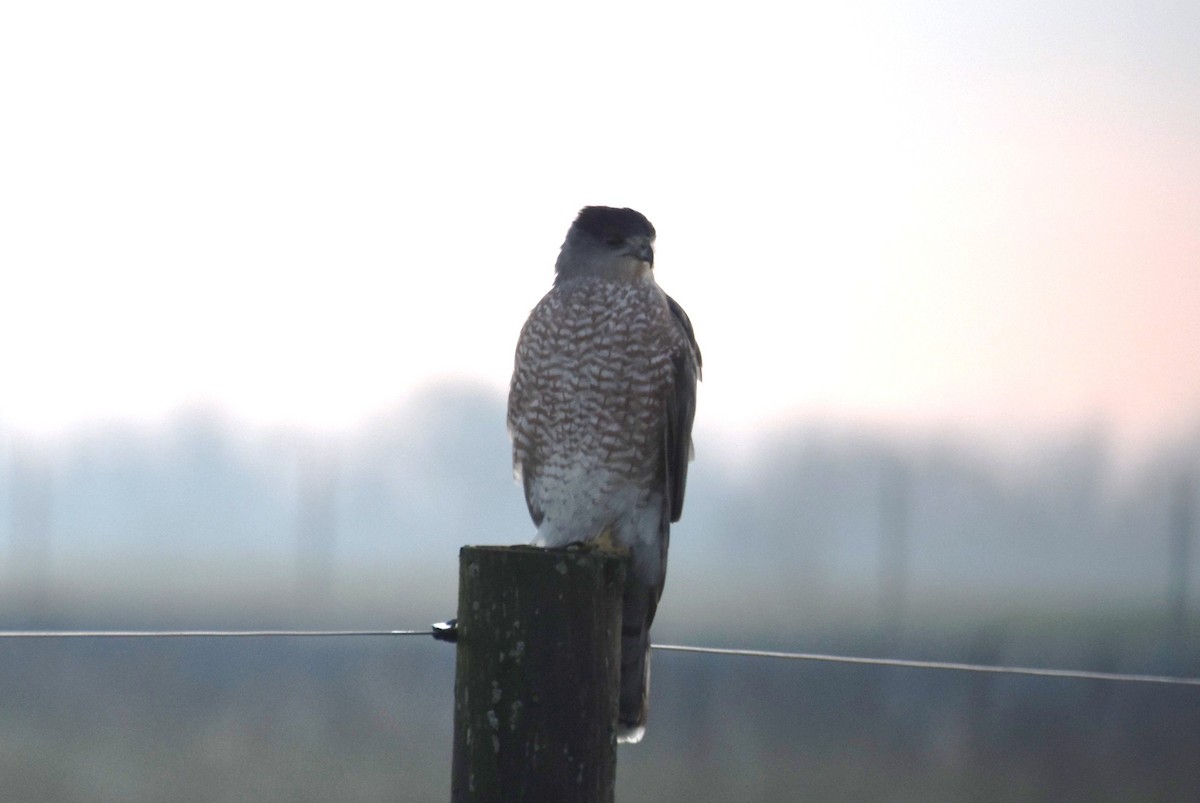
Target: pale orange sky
[(300, 213)]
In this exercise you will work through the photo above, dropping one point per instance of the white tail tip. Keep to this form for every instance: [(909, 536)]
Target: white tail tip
[(627, 735)]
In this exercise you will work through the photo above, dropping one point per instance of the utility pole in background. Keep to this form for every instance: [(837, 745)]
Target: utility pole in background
[(30, 499), (1182, 524), (316, 520), (894, 511)]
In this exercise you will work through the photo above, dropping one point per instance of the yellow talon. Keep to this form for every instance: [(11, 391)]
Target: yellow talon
[(606, 543)]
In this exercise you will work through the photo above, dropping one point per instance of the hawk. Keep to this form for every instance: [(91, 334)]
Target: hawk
[(600, 413)]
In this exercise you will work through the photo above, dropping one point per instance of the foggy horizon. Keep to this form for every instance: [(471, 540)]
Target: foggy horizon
[(143, 508)]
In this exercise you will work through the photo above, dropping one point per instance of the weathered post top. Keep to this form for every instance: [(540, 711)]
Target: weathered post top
[(538, 667)]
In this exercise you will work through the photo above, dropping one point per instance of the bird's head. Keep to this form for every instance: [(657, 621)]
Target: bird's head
[(607, 242)]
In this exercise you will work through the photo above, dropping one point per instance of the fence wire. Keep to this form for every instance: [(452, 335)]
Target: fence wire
[(49, 634), (1076, 674), (438, 632)]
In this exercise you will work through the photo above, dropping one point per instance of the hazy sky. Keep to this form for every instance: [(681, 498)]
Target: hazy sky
[(300, 212)]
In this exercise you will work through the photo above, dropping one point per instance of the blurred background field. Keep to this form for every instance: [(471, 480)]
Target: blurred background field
[(815, 540)]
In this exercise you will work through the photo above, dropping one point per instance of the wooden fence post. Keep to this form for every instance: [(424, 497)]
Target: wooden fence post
[(536, 681)]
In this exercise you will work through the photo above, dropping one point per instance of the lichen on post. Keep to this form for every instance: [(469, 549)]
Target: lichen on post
[(538, 667)]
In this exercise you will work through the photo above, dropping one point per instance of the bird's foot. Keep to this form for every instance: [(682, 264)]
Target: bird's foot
[(604, 542)]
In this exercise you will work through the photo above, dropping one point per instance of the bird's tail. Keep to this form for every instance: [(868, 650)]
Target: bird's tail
[(639, 604)]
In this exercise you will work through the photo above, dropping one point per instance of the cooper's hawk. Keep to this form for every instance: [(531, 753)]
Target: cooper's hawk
[(600, 413)]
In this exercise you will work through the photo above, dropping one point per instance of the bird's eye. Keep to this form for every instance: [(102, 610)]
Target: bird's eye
[(614, 239)]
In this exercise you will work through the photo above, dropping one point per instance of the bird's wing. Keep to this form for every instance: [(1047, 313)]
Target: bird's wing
[(681, 411), (524, 450)]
